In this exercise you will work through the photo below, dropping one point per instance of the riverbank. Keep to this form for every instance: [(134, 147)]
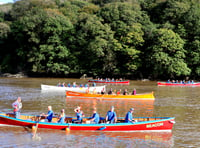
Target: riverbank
[(9, 75)]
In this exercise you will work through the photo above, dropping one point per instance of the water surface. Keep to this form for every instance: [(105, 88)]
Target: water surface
[(179, 102)]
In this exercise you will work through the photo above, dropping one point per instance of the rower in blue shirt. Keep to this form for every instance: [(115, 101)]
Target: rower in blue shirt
[(129, 116), (49, 115), (69, 85), (111, 116), (79, 115), (62, 117), (95, 117)]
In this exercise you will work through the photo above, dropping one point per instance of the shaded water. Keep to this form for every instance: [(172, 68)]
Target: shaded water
[(179, 102)]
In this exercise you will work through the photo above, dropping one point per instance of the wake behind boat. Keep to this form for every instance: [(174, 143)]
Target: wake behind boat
[(52, 88), (158, 124), (145, 96)]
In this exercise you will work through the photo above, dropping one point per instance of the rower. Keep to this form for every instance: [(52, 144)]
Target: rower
[(79, 115), (119, 92), (49, 115), (129, 116), (125, 92), (134, 92), (95, 117), (62, 117), (110, 92), (111, 116)]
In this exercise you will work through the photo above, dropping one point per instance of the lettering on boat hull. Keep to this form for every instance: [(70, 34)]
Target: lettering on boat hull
[(154, 125)]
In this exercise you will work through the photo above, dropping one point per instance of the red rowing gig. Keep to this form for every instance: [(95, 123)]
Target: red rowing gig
[(142, 124), (177, 84)]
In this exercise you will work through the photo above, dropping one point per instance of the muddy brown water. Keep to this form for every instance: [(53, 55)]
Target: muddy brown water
[(179, 102)]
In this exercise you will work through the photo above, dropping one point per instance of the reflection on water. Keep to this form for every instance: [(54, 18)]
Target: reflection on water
[(179, 102), (58, 138)]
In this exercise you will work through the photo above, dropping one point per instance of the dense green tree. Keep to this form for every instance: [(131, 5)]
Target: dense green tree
[(194, 57), (93, 45), (124, 20), (41, 35), (4, 30), (167, 55), (192, 21)]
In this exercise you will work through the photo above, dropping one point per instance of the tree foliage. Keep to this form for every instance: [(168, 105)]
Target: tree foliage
[(137, 38), (167, 55)]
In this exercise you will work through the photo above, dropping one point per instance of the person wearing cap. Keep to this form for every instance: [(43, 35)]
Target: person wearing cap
[(95, 117), (17, 105), (62, 117), (49, 115), (129, 116), (111, 116)]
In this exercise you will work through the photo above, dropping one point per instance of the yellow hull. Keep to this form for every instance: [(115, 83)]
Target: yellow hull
[(146, 96)]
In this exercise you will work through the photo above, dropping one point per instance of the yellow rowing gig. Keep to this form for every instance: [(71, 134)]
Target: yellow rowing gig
[(144, 96)]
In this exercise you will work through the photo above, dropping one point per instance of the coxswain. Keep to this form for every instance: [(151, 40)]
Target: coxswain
[(17, 105)]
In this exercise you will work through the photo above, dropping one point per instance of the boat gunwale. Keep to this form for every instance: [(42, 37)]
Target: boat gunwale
[(86, 124)]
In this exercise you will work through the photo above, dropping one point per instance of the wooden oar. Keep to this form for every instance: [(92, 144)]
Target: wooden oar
[(36, 127)]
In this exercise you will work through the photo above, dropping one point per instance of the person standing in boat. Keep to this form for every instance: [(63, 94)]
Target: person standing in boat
[(79, 115), (129, 116), (95, 117), (49, 115), (62, 117), (111, 116), (17, 105)]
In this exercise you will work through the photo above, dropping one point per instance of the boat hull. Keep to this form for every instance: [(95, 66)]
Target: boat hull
[(110, 82), (146, 96), (148, 124), (177, 84), (75, 89)]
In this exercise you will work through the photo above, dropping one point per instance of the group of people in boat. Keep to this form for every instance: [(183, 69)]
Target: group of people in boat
[(111, 116), (109, 79), (181, 81), (119, 92), (75, 85)]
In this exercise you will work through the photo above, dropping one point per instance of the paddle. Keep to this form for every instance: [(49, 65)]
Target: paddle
[(36, 127)]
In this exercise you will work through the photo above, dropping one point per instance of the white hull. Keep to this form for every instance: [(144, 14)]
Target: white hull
[(75, 89)]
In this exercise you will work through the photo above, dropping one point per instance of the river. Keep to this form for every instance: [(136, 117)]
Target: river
[(179, 102)]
